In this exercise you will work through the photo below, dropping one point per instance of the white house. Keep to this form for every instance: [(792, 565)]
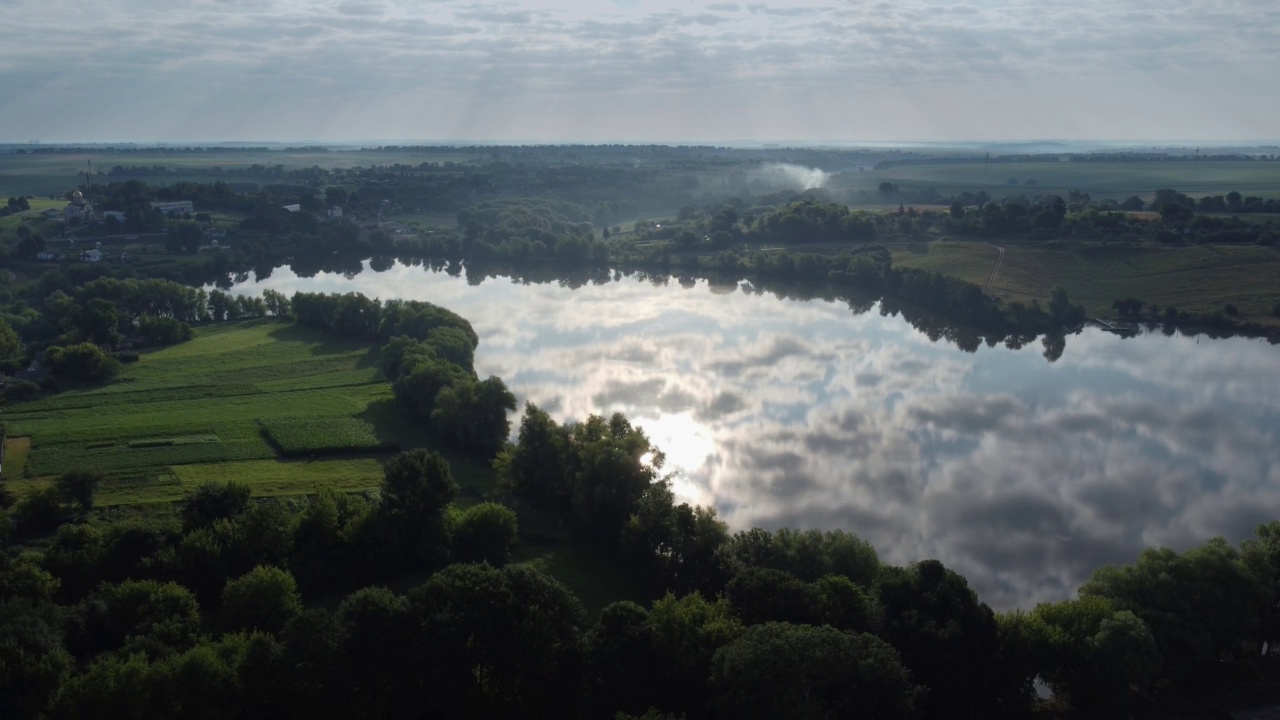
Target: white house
[(46, 255), (92, 256), (335, 211), (292, 208), (174, 207)]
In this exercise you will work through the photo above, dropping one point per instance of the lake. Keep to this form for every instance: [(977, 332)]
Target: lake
[(1021, 474)]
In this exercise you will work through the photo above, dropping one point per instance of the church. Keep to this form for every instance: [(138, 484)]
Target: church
[(79, 211)]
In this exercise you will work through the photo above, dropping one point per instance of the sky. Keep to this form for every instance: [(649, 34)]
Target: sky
[(638, 70)]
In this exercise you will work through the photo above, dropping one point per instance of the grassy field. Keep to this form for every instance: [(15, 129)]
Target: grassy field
[(1100, 180), (1199, 278), (53, 174), (189, 412)]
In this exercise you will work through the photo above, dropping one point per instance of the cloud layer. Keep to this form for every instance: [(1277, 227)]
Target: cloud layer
[(1022, 475), (648, 70)]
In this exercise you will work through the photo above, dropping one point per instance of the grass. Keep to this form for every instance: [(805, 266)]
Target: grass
[(198, 411), (196, 403), (1101, 180), (302, 436), (16, 450), (1197, 278)]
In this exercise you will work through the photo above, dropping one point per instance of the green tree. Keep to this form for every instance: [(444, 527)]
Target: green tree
[(79, 487), (85, 362), (264, 599), (504, 641), (212, 501), (10, 346), (799, 671), (417, 486), (484, 533), (947, 638)]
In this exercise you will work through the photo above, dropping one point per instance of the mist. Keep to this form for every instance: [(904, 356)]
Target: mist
[(798, 177)]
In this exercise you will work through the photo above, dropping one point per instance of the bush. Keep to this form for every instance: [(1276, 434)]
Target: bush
[(85, 362), (41, 508), (485, 533), (19, 391), (263, 599)]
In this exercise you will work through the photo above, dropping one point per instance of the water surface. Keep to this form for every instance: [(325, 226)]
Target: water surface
[(1021, 474)]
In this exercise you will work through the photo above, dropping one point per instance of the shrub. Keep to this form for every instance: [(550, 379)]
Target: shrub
[(85, 362), (485, 533)]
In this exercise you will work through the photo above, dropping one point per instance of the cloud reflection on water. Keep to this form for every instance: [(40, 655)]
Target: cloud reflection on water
[(1022, 475)]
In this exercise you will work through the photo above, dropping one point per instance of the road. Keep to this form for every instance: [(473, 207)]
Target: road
[(996, 269)]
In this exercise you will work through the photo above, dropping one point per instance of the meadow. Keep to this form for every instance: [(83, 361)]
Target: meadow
[(1195, 278), (1100, 180), (209, 408)]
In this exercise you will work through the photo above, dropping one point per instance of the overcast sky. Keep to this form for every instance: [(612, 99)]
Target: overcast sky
[(664, 70)]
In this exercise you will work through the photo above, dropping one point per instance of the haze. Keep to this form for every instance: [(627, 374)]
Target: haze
[(660, 71)]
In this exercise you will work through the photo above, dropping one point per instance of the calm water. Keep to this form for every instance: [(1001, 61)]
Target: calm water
[(1021, 474)]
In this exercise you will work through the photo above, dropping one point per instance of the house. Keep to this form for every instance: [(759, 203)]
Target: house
[(292, 208), (174, 207), (215, 233), (91, 256), (117, 215), (47, 256), (50, 214), (335, 211), (124, 257)]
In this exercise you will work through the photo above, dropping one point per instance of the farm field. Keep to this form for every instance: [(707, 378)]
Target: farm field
[(190, 412), (47, 174), (1101, 180), (1199, 278)]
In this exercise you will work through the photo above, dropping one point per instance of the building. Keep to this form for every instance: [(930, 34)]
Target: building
[(91, 256), (174, 207), (292, 208), (78, 211), (117, 215), (47, 256), (335, 211)]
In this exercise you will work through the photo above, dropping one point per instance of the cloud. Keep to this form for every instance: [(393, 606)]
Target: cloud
[(656, 70)]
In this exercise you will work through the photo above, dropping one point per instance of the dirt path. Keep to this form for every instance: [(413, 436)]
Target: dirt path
[(996, 269)]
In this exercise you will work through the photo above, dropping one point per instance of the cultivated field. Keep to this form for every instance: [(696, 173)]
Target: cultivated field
[(1198, 278), (1100, 180), (224, 406)]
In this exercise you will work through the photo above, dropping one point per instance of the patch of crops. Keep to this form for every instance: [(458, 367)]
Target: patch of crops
[(320, 435)]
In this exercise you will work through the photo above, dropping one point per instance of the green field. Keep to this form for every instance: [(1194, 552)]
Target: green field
[(1198, 278), (1100, 180), (183, 412), (53, 174)]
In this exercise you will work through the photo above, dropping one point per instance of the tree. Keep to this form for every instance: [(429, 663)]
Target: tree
[(947, 638), (799, 671), (417, 485), (79, 486), (10, 346), (484, 533), (184, 237), (212, 501), (264, 599), (85, 362), (1094, 653), (504, 641), (620, 665)]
